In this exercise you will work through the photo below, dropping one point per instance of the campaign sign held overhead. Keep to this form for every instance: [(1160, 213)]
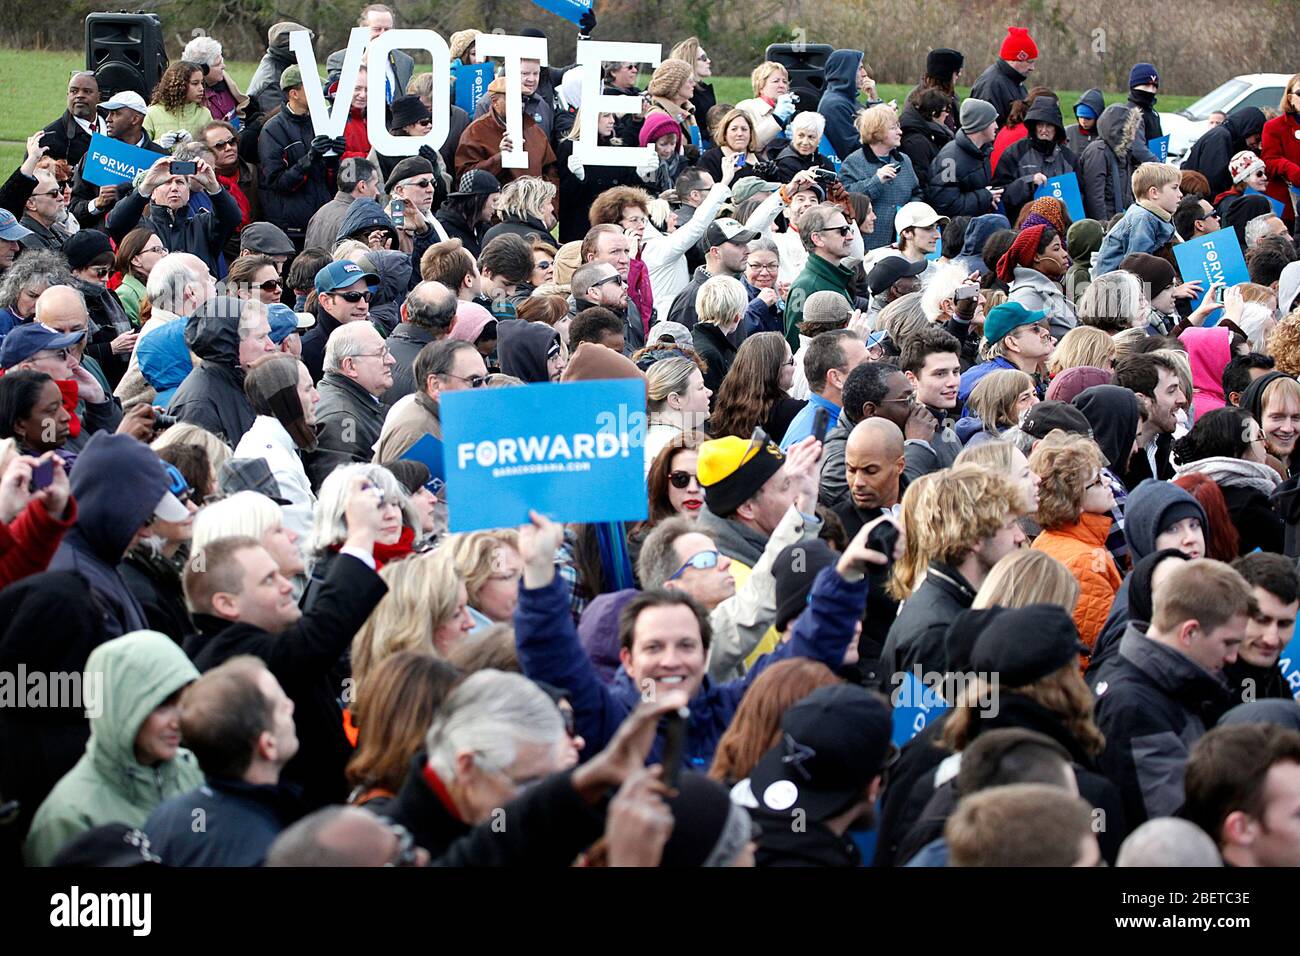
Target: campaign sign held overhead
[(1214, 257), (573, 452), (571, 10), (1066, 189), (472, 81), (109, 162)]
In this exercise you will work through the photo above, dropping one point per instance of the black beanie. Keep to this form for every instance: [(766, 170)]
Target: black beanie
[(794, 570), (1024, 645), (943, 63)]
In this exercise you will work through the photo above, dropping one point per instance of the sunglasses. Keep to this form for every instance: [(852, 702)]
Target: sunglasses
[(225, 144), (353, 296), (701, 562), (616, 278), (680, 479), (417, 184), (844, 231), (544, 264), (51, 192), (101, 271), (64, 184), (271, 285), (474, 381)]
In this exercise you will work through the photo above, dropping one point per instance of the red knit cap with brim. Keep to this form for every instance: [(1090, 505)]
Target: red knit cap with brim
[(1018, 45), (1021, 253)]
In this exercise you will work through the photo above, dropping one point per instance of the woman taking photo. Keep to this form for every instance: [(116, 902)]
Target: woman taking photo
[(738, 145), (882, 171), (805, 131), (753, 395), (772, 105)]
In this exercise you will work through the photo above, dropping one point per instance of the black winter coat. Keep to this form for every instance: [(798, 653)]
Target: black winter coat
[(718, 353), (1211, 154), (241, 819), (1001, 86), (212, 396), (293, 184), (156, 583), (303, 659), (1258, 525), (1153, 705), (454, 224), (922, 140), (577, 195), (1106, 166), (1022, 160), (789, 162), (912, 811), (917, 637), (1145, 103), (349, 420), (526, 229), (201, 233), (84, 191), (405, 344), (66, 139), (108, 320), (960, 177)]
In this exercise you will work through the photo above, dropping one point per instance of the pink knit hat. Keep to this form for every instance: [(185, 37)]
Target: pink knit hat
[(658, 124)]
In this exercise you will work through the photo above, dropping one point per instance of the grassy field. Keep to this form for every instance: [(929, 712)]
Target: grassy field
[(33, 88)]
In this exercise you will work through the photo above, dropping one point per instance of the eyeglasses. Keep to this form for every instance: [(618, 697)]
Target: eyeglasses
[(1208, 215), (379, 355), (844, 231), (909, 401), (225, 144), (417, 184), (635, 221), (64, 184), (474, 381), (271, 285), (760, 267), (1095, 483), (52, 192), (701, 562), (353, 296), (160, 249), (616, 278), (680, 479), (407, 851)]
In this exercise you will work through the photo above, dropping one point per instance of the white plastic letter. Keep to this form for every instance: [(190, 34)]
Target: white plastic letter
[(513, 49), (323, 121), (592, 57), (384, 44)]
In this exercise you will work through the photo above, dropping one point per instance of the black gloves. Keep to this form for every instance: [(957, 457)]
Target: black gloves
[(588, 22), (320, 145), (429, 153)]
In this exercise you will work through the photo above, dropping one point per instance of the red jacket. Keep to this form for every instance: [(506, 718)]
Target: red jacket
[(355, 136), (1280, 150), (1081, 547), (29, 541), (1006, 136)]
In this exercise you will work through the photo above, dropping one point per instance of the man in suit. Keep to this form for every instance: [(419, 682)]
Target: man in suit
[(378, 19)]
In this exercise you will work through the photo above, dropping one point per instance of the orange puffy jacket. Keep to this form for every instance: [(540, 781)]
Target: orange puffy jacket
[(1081, 547)]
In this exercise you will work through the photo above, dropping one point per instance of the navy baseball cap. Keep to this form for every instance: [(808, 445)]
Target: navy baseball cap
[(11, 228), (24, 341), (341, 274), (284, 321)]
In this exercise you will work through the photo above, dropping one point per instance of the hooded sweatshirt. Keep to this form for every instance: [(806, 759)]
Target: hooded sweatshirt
[(1147, 514), (117, 483), (1212, 152), (522, 348), (212, 396), (1076, 137), (135, 674), (839, 103), (1017, 165), (264, 87), (1082, 242), (977, 234), (1252, 399), (1209, 351), (394, 271), (364, 216), (165, 361)]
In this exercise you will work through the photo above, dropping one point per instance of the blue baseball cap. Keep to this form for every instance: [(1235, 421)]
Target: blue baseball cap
[(285, 322), (24, 341), (11, 228), (1004, 319), (341, 274)]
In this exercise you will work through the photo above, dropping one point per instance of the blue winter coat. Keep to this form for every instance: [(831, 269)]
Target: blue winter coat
[(549, 651), (1139, 231)]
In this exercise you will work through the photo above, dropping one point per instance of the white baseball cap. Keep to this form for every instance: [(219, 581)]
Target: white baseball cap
[(917, 214), (126, 99)]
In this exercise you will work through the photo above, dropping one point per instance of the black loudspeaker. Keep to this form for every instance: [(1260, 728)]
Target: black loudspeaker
[(125, 52), (806, 64)]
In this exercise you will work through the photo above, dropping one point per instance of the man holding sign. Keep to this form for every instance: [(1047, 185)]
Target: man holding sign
[(1027, 164), (486, 139), (92, 194)]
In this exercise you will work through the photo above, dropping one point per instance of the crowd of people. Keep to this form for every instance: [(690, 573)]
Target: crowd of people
[(908, 423)]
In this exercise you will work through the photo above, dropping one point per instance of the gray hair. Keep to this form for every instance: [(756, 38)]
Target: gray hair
[(347, 341), (202, 50), (167, 281), (1112, 299), (721, 301), (525, 198), (765, 243), (39, 265), (329, 521), (813, 122), (431, 306), (658, 560), (1168, 841), (943, 284), (1257, 228), (491, 713)]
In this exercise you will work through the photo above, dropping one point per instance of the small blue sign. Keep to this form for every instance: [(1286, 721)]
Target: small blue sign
[(1065, 188), (109, 162), (1159, 146), (1289, 663), (827, 150), (428, 452), (1214, 257), (1277, 206), (571, 10), (471, 81), (915, 705), (573, 452)]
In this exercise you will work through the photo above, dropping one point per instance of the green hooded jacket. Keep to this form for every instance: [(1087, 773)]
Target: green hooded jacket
[(132, 675), (1081, 242)]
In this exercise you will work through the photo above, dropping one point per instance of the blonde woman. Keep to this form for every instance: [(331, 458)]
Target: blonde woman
[(671, 89), (772, 106), (1027, 577), (490, 564), (581, 184), (677, 402), (1085, 345), (1009, 461), (526, 208), (998, 402), (425, 610), (882, 171), (183, 433), (248, 514), (690, 51)]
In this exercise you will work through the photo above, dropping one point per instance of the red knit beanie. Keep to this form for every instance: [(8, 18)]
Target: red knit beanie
[(1018, 45), (1021, 253)]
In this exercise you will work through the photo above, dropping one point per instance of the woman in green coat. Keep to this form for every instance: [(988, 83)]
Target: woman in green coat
[(133, 761), (137, 253)]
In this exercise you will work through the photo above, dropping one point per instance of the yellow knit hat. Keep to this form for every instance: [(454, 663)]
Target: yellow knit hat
[(732, 470)]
